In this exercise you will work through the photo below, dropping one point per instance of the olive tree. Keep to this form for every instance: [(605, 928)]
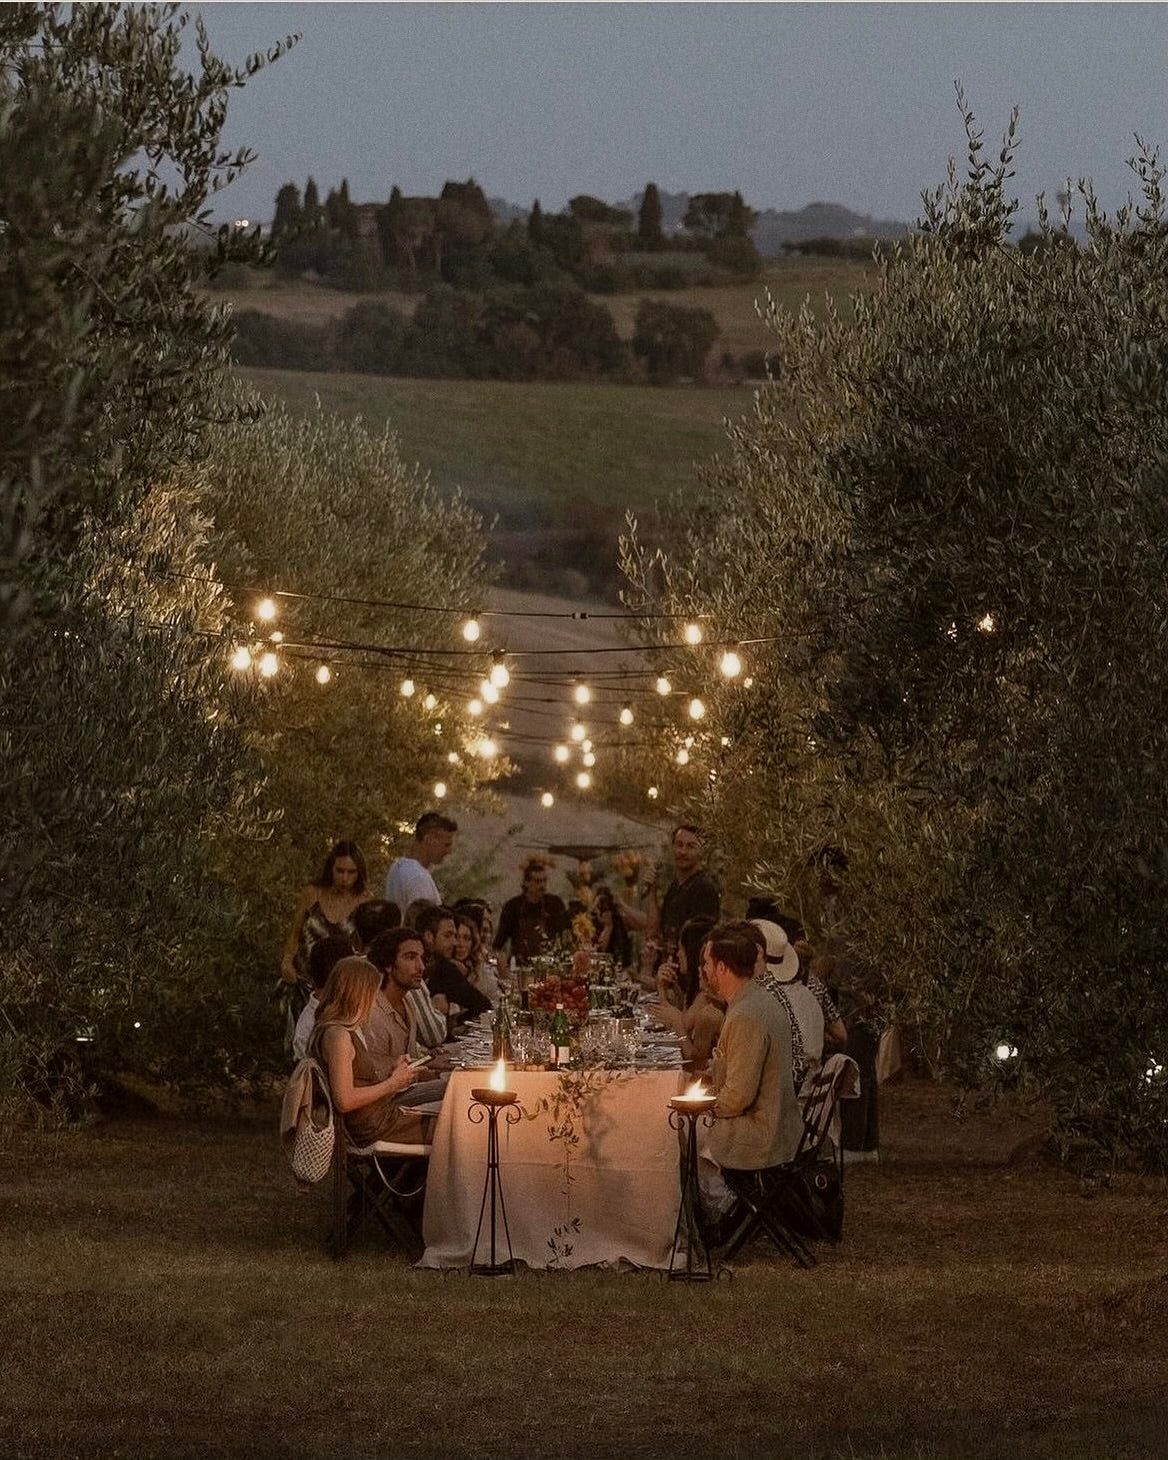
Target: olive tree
[(945, 526), (123, 760)]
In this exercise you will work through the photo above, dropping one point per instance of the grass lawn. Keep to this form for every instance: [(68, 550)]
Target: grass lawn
[(164, 1293), (534, 452)]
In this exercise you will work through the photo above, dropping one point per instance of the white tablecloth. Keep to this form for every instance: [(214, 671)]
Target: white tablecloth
[(622, 1199)]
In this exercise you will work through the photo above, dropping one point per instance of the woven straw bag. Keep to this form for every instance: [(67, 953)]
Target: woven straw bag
[(316, 1134)]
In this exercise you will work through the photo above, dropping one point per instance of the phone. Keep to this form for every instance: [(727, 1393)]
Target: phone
[(422, 1059)]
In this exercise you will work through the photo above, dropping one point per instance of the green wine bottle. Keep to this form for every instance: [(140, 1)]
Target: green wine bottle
[(560, 1037), (501, 1033)]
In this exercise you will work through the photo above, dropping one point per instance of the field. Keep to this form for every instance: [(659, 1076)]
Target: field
[(164, 1291)]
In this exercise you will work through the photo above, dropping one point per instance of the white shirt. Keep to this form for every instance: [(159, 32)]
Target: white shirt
[(407, 881), (304, 1027)]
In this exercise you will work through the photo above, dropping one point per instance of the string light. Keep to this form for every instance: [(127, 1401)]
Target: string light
[(652, 793), (582, 694), (561, 753), (693, 633), (696, 709), (662, 686), (488, 692), (683, 756), (430, 702), (266, 609), (323, 674), (454, 757), (987, 623), (1004, 1052), (500, 675), (578, 732), (471, 630), (241, 657), (547, 799), (269, 664), (730, 664), (439, 789), (488, 749), (276, 637), (586, 746), (407, 687), (626, 715), (583, 780), (588, 759), (475, 707)]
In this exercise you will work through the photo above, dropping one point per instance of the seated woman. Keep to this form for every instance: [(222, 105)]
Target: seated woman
[(469, 953), (682, 1004), (371, 1108)]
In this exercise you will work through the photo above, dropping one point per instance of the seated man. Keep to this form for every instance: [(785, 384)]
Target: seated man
[(326, 953), (757, 1121), (452, 992), (392, 1028), (372, 919)]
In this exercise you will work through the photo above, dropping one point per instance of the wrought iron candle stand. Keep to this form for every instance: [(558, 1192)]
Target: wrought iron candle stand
[(684, 1113), (488, 1105)]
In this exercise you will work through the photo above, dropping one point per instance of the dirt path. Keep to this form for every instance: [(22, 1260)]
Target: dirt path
[(536, 716)]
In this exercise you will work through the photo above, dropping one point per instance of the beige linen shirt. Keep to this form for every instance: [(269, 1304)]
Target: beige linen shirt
[(757, 1120), (387, 1035)]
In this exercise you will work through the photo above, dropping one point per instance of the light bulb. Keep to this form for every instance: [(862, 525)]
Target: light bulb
[(582, 694), (987, 623), (683, 756), (547, 799), (489, 692), (561, 753), (241, 657), (471, 630), (652, 793), (266, 609), (583, 780), (731, 664), (663, 687), (488, 749), (453, 757), (586, 745), (696, 709), (323, 674), (693, 633), (578, 732), (407, 687), (626, 715), (589, 760), (276, 636), (475, 707), (500, 675), (269, 664), (439, 789), (430, 702)]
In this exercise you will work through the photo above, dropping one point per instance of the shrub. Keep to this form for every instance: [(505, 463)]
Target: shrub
[(266, 340), (673, 341), (371, 338)]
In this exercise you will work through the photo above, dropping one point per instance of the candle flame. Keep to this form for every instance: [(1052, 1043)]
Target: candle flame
[(498, 1080), (697, 1091)]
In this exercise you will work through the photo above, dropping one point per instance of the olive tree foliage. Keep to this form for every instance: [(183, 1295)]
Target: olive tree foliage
[(322, 506), (123, 761), (946, 525)]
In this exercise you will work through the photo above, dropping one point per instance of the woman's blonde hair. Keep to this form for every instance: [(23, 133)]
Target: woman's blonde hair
[(348, 995)]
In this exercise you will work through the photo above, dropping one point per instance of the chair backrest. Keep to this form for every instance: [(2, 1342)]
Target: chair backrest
[(838, 1079)]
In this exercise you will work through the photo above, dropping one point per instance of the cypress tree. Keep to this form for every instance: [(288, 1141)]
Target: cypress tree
[(535, 223), (649, 229)]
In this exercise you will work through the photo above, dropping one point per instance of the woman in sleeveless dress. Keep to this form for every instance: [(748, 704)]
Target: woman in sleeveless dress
[(323, 911), (370, 1106)]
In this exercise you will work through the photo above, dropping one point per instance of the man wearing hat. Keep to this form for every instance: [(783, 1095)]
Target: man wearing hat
[(777, 971)]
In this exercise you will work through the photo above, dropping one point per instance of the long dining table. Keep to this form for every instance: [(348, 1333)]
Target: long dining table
[(590, 1172)]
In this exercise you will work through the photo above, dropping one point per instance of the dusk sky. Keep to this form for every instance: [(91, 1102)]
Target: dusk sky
[(790, 103)]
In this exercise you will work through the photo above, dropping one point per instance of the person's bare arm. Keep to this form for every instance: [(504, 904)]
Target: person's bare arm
[(287, 960), (338, 1054)]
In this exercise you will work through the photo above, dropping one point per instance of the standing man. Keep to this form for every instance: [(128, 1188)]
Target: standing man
[(409, 878), (531, 922), (757, 1121), (693, 893)]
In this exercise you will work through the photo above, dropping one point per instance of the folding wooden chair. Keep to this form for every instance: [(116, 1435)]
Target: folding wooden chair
[(780, 1201), (385, 1182)]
